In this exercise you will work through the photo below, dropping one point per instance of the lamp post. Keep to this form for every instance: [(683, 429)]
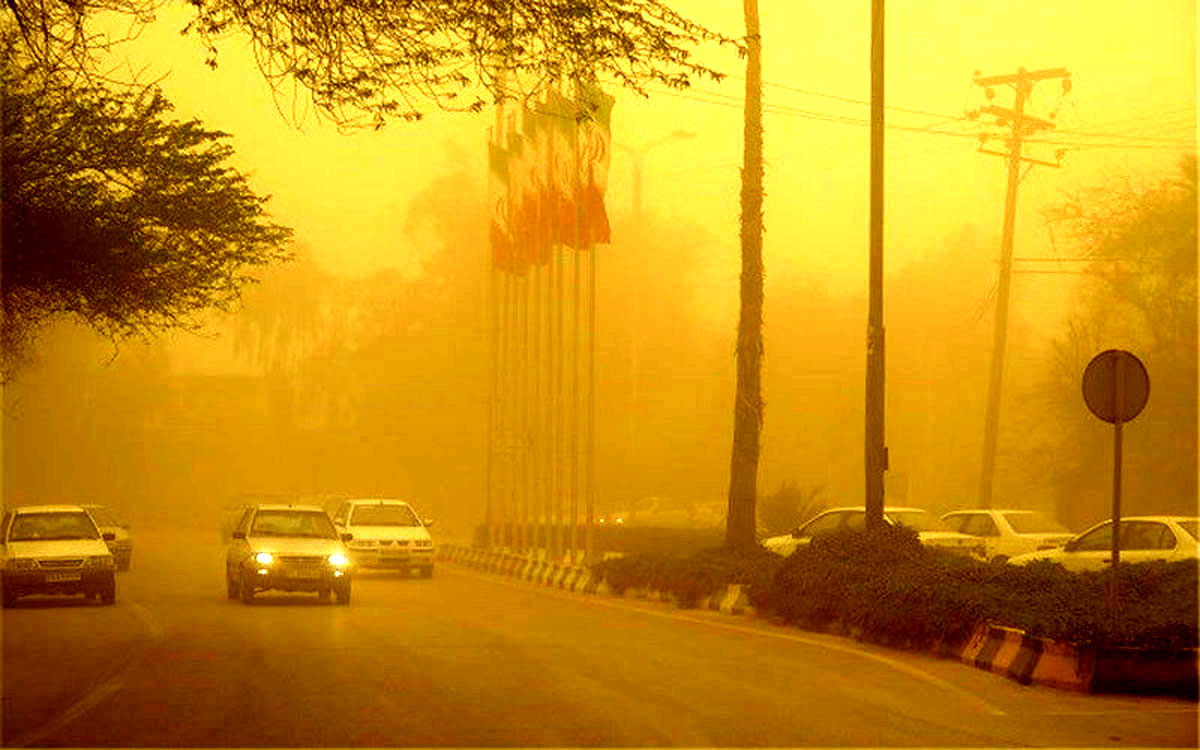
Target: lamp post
[(638, 154)]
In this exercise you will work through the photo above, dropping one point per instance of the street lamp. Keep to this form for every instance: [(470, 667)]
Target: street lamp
[(639, 162)]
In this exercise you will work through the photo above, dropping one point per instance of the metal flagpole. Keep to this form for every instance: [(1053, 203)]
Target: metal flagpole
[(590, 494), (506, 403)]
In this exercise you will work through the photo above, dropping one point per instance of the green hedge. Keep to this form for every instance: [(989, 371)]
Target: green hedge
[(689, 579), (891, 588)]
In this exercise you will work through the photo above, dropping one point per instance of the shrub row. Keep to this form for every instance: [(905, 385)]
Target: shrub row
[(690, 579), (890, 587)]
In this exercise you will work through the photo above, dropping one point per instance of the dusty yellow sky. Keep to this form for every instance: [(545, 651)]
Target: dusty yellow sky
[(1134, 74)]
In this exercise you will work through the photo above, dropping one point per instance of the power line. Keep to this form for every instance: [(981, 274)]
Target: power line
[(1161, 142)]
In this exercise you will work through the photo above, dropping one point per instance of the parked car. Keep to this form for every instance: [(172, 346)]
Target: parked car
[(121, 545), (931, 531), (668, 513), (387, 534), (1143, 539), (56, 550), (1006, 533), (287, 548)]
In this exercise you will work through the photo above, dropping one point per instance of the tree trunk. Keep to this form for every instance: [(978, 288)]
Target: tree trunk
[(748, 406)]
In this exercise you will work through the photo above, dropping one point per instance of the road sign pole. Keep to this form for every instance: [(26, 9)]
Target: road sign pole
[(1118, 412)]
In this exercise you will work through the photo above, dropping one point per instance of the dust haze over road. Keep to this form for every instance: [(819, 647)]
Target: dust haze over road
[(467, 659)]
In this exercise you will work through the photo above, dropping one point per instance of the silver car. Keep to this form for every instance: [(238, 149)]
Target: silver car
[(280, 547), (121, 545), (1008, 533), (930, 531)]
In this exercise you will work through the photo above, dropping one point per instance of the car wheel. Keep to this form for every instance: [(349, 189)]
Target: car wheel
[(124, 564), (246, 590), (999, 560), (427, 572), (231, 587), (108, 594), (9, 599), (343, 594), (323, 594)]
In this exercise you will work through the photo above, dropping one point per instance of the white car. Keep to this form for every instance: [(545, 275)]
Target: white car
[(1007, 533), (55, 549), (1143, 539), (121, 545), (283, 547), (387, 534), (930, 531)]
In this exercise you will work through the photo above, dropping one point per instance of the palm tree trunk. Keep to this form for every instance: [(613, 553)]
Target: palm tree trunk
[(748, 406)]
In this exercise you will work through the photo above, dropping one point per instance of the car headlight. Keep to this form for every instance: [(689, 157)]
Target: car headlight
[(264, 558), (337, 559), (99, 561), (22, 563)]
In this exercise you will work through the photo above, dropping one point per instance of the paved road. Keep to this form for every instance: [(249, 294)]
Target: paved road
[(467, 659)]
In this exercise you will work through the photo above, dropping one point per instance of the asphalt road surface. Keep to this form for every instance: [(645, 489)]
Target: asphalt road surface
[(469, 659)]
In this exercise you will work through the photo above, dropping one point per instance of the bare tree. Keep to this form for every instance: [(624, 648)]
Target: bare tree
[(366, 61)]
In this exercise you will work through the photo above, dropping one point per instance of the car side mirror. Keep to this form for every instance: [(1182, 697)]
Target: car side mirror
[(1071, 546), (428, 521), (239, 535), (347, 536), (796, 533), (108, 536)]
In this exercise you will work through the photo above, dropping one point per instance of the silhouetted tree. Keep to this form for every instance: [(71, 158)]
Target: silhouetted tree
[(115, 214), (364, 62), (1139, 294), (788, 506)]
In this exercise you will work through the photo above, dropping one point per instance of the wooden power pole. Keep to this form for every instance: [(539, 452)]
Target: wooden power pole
[(1021, 125), (876, 451)]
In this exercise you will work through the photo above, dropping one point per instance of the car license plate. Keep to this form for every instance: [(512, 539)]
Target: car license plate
[(57, 577), (304, 573)]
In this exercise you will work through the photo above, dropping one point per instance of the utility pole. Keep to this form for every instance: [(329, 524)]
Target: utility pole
[(875, 449), (1021, 125)]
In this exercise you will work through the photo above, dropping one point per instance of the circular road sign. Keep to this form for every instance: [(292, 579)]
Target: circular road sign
[(1100, 386)]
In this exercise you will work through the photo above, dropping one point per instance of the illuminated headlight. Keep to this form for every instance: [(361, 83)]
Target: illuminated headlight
[(22, 563), (264, 558), (99, 561), (338, 559)]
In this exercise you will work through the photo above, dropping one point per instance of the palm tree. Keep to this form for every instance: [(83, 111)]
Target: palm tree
[(748, 405)]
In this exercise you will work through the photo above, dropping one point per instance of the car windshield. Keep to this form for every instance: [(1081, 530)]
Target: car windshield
[(293, 523), (53, 525), (1035, 523), (384, 515), (103, 517), (917, 520), (1190, 527)]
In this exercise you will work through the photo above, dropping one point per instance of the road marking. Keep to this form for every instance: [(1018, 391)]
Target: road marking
[(1113, 711), (80, 707), (147, 619), (93, 698), (894, 664)]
